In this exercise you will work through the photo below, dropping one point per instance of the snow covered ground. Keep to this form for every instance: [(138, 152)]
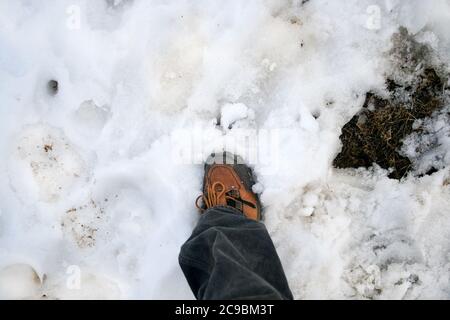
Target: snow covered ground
[(98, 176)]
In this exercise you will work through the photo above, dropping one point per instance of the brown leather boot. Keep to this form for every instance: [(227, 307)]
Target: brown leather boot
[(228, 182)]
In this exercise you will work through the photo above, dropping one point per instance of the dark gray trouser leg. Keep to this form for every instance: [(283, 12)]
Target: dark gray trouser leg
[(231, 257)]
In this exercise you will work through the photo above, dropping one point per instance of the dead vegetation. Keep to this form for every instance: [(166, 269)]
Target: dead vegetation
[(376, 133)]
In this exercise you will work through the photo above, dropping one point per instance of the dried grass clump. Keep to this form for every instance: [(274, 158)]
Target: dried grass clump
[(376, 134)]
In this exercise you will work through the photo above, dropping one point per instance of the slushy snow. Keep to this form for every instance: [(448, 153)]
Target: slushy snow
[(97, 189)]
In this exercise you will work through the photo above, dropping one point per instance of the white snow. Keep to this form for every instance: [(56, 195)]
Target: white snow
[(95, 200), (231, 113)]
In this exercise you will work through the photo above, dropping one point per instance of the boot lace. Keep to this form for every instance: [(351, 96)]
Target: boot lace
[(213, 194)]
